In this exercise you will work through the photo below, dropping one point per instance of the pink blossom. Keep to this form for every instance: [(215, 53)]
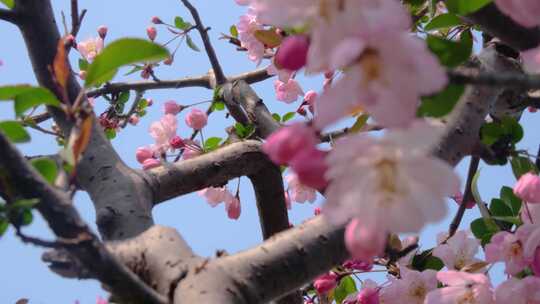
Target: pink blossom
[(134, 119), (411, 288), (196, 119), (151, 32), (517, 291), (299, 192), (177, 142), (529, 235), (408, 259), (283, 74), (171, 107), (369, 294), (292, 53), (100, 300), (233, 207), (524, 12), (357, 264), (531, 60), (247, 26), (458, 198), (458, 251), (285, 12), (156, 20), (364, 242), (90, 48), (528, 188), (530, 213), (310, 98), (289, 91), (215, 196), (162, 131), (461, 287), (317, 211), (325, 282), (150, 163), (144, 153), (507, 247), (242, 2), (102, 31), (310, 166), (284, 144), (391, 180)]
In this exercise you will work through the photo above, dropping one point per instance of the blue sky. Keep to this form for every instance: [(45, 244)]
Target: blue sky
[(206, 229)]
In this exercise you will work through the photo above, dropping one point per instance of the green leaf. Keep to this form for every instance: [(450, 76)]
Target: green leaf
[(512, 128), (425, 260), (515, 220), (506, 129), (9, 4), (25, 204), (122, 52), (499, 209), (522, 165), (32, 98), (123, 97), (181, 24), (192, 44), (510, 199), (464, 7), (483, 230), (83, 64), (442, 103), (4, 224), (14, 131), (135, 69), (451, 53), (46, 167), (218, 106), (288, 116), (276, 117), (27, 217), (359, 123), (10, 92), (490, 133), (240, 130), (111, 133), (443, 21), (233, 31), (346, 287), (212, 144)]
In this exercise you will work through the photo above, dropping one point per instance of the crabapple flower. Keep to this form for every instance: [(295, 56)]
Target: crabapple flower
[(247, 26), (411, 288), (233, 207), (507, 247), (528, 188), (369, 294), (284, 144), (357, 264), (144, 153), (391, 181), (310, 98), (162, 131), (177, 142), (196, 119), (283, 74), (364, 242), (310, 167), (151, 163), (459, 250), (517, 291), (299, 192), (530, 213), (215, 196), (461, 287), (90, 48), (100, 300), (286, 13), (529, 234), (524, 12), (171, 107), (326, 282), (292, 53), (289, 91)]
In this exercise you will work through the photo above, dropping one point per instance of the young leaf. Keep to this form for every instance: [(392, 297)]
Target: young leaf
[(192, 44), (442, 103), (10, 92), (276, 117), (212, 143), (46, 167), (122, 52), (288, 116), (181, 24), (483, 230), (346, 287), (233, 31), (218, 106), (451, 53), (443, 21), (522, 165), (32, 98), (14, 131), (510, 199)]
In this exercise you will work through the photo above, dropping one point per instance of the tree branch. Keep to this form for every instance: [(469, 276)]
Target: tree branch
[(8, 15), (73, 233), (218, 71), (508, 80)]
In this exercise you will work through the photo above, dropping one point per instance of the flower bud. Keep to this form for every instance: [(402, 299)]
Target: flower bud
[(143, 153), (325, 283), (177, 142), (292, 54), (151, 32), (151, 163), (134, 119), (196, 119), (156, 20), (171, 107), (102, 31)]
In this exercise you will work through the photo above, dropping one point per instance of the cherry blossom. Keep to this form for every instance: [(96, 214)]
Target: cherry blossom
[(283, 74), (458, 251), (507, 247), (391, 180), (163, 131), (90, 48), (461, 287), (528, 188), (524, 12), (299, 192), (289, 91), (247, 26), (196, 119), (411, 288), (102, 31), (517, 291)]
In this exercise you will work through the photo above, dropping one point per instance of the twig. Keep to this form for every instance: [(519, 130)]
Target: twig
[(134, 106), (513, 80), (36, 241), (199, 81), (42, 130), (39, 118), (467, 196), (8, 15), (218, 71)]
